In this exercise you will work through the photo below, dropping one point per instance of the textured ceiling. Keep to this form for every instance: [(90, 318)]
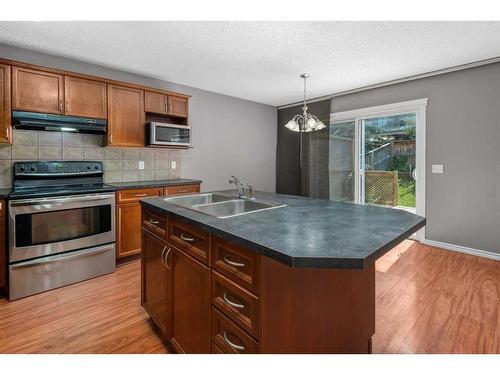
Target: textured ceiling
[(261, 61)]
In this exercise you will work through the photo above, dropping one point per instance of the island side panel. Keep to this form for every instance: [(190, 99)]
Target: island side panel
[(316, 310)]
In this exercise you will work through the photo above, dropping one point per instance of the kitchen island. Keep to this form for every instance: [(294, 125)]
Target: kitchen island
[(293, 279)]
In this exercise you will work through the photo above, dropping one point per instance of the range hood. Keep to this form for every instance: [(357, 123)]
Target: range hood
[(44, 121)]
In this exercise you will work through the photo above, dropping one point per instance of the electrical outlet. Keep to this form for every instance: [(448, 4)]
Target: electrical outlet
[(141, 164), (173, 164), (437, 168)]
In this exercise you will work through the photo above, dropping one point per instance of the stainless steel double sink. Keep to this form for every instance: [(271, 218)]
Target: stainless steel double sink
[(222, 206)]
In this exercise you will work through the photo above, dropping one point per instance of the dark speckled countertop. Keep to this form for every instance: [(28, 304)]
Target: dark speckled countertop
[(145, 184), (308, 232)]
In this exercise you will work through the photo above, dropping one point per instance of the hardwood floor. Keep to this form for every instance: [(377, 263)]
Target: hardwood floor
[(102, 315), (436, 301), (428, 301)]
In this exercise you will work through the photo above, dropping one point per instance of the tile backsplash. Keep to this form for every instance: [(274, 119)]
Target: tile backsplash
[(121, 164)]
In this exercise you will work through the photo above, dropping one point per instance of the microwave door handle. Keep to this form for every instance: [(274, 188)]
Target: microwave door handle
[(86, 198)]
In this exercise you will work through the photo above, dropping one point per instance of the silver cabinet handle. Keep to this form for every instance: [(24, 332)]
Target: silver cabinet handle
[(166, 258), (162, 257), (231, 303), (232, 263), (155, 222), (186, 238), (141, 195), (231, 344)]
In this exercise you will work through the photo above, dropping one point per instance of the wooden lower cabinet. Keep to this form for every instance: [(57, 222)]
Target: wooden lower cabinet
[(242, 302), (128, 219), (156, 281), (190, 305), (3, 260), (128, 233)]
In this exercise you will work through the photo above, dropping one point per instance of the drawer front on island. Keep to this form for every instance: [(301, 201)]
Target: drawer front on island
[(190, 239), (156, 223), (236, 263), (229, 337), (236, 302)]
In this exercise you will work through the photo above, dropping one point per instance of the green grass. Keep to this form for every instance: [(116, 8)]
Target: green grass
[(406, 192)]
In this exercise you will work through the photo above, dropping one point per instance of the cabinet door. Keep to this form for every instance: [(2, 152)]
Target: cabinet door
[(85, 98), (177, 106), (37, 91), (3, 266), (128, 229), (5, 122), (155, 103), (191, 304), (156, 282), (125, 116)]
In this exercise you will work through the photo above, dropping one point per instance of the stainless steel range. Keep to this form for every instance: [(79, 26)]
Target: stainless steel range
[(61, 225)]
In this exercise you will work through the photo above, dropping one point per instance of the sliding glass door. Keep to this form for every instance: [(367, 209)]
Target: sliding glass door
[(388, 161), (342, 158), (377, 156)]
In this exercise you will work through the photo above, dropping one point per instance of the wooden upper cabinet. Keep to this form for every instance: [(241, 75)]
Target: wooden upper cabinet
[(177, 106), (155, 102), (85, 98), (37, 91), (125, 116), (5, 122)]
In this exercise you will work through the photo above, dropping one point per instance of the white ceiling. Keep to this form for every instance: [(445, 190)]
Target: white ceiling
[(261, 61)]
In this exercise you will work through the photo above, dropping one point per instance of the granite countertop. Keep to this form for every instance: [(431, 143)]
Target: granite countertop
[(308, 232), (145, 184), (4, 192)]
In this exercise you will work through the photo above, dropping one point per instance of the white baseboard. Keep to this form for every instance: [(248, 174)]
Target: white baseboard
[(462, 249)]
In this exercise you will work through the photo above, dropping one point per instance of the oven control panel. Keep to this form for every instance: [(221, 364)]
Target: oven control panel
[(57, 168)]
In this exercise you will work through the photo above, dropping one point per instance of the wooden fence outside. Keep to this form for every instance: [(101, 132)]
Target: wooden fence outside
[(381, 187)]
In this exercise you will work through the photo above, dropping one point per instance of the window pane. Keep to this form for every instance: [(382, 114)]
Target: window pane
[(341, 161)]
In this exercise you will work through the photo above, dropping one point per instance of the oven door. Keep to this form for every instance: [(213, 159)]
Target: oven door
[(170, 135), (44, 226)]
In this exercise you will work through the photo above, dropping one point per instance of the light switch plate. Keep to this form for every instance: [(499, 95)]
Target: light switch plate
[(173, 164), (437, 168), (141, 164)]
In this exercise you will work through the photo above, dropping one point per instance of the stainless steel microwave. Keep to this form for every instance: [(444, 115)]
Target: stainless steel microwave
[(158, 133)]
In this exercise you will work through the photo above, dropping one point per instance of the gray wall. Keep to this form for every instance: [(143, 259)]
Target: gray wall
[(230, 135), (463, 133)]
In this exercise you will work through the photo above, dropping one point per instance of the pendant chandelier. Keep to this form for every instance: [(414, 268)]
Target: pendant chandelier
[(305, 122)]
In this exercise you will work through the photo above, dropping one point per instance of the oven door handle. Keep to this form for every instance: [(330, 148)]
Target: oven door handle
[(85, 198), (62, 258)]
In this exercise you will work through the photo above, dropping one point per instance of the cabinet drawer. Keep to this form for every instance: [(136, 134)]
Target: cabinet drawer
[(183, 189), (229, 337), (192, 240), (133, 195), (156, 223), (236, 263), (237, 303)]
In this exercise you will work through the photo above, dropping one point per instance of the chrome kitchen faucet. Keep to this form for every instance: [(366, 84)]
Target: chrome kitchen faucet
[(243, 193)]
